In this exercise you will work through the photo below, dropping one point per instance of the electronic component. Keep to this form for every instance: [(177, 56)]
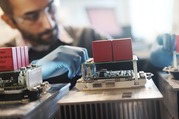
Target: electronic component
[(93, 79), (22, 85), (108, 52)]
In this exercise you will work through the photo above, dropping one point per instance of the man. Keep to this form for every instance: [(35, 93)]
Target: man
[(37, 20)]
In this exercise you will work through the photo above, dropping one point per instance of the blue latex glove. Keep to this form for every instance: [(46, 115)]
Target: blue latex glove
[(61, 60), (162, 51), (167, 41)]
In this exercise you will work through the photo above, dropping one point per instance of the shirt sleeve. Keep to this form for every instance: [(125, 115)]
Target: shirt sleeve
[(83, 37)]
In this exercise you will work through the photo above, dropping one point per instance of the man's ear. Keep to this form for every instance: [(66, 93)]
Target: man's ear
[(8, 20)]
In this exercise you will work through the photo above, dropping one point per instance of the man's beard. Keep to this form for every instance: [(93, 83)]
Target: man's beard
[(38, 39)]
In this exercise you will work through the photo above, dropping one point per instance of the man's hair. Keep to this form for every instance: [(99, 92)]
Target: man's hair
[(6, 6)]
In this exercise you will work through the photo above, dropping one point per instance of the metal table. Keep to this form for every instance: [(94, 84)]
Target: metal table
[(43, 108), (132, 103), (169, 87)]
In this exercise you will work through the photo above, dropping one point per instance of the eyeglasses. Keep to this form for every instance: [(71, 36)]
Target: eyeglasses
[(33, 17)]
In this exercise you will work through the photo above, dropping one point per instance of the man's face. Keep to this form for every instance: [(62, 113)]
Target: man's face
[(36, 19)]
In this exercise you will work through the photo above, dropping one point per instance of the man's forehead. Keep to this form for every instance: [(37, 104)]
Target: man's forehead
[(20, 7)]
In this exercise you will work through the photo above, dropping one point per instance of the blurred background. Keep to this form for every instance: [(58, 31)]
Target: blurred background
[(142, 20)]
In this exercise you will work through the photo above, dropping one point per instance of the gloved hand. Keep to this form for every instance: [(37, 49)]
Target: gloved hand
[(162, 50), (168, 41), (61, 60)]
